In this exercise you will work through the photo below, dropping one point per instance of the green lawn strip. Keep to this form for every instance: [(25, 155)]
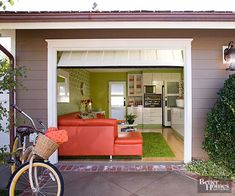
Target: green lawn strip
[(156, 146)]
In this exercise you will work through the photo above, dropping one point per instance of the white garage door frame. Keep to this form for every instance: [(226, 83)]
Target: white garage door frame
[(55, 45)]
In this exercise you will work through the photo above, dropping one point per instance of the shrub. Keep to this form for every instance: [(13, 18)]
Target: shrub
[(8, 82), (220, 131), (210, 169), (3, 154)]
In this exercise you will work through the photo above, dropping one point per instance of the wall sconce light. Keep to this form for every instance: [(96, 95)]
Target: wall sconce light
[(229, 56)]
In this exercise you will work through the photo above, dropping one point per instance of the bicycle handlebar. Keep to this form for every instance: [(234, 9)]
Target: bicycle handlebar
[(17, 108), (42, 124), (31, 120)]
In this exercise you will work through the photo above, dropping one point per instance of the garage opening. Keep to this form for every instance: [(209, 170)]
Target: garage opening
[(141, 89), (112, 81)]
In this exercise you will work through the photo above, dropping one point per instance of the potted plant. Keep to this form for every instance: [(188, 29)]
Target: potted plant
[(130, 118)]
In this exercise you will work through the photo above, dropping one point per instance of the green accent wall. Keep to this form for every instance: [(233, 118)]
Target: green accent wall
[(99, 84), (96, 87), (162, 70), (76, 77)]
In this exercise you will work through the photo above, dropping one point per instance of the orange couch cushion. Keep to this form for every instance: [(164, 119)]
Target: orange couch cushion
[(88, 140), (129, 138), (128, 149), (70, 120)]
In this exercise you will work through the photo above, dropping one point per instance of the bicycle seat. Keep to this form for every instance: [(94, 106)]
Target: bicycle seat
[(24, 130)]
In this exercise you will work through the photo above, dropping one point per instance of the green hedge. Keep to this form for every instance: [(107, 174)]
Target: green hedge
[(210, 169), (220, 131)]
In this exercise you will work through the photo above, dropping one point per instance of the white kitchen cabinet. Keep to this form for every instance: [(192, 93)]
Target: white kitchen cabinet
[(153, 79), (147, 78), (177, 120), (152, 115), (158, 76), (146, 115), (135, 85)]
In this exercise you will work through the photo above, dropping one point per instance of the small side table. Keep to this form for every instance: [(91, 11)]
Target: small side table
[(126, 127)]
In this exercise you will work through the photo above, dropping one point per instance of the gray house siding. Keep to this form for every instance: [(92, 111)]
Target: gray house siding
[(208, 71)]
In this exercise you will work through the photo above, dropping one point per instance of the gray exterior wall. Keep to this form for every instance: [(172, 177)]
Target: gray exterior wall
[(208, 72)]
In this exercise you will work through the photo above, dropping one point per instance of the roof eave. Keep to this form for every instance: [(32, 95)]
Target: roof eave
[(16, 17)]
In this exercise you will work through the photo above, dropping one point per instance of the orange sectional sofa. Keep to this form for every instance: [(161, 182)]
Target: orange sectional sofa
[(98, 137)]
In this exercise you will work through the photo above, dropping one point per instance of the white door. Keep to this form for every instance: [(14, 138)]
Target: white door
[(171, 92), (117, 99)]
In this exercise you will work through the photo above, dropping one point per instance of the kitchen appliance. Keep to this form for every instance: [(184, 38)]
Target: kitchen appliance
[(152, 100), (170, 92), (149, 89)]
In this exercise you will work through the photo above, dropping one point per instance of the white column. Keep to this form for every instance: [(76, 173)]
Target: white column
[(188, 105), (51, 95)]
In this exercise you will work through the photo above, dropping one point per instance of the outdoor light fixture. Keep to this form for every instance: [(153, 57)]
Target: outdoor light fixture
[(229, 56)]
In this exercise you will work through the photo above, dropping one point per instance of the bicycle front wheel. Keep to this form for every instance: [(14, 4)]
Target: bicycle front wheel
[(15, 155), (46, 177)]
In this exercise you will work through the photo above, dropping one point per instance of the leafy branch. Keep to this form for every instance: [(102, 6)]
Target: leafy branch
[(8, 81), (4, 3)]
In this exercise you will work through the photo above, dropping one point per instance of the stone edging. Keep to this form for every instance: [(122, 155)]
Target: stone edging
[(117, 168)]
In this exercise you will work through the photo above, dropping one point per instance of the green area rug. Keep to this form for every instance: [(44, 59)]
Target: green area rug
[(156, 146)]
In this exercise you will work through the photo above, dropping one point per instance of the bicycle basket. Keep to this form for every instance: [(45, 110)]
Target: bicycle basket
[(44, 146)]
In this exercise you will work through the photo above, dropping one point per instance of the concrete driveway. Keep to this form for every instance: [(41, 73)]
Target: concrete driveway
[(131, 184), (150, 183)]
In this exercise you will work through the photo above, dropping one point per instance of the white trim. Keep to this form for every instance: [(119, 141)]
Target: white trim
[(117, 44), (51, 94), (188, 105), (10, 32), (119, 25), (55, 45)]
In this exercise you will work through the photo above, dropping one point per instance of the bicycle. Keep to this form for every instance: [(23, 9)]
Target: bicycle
[(35, 175), (22, 141)]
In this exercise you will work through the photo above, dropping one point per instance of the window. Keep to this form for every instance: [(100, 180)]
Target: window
[(62, 86)]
